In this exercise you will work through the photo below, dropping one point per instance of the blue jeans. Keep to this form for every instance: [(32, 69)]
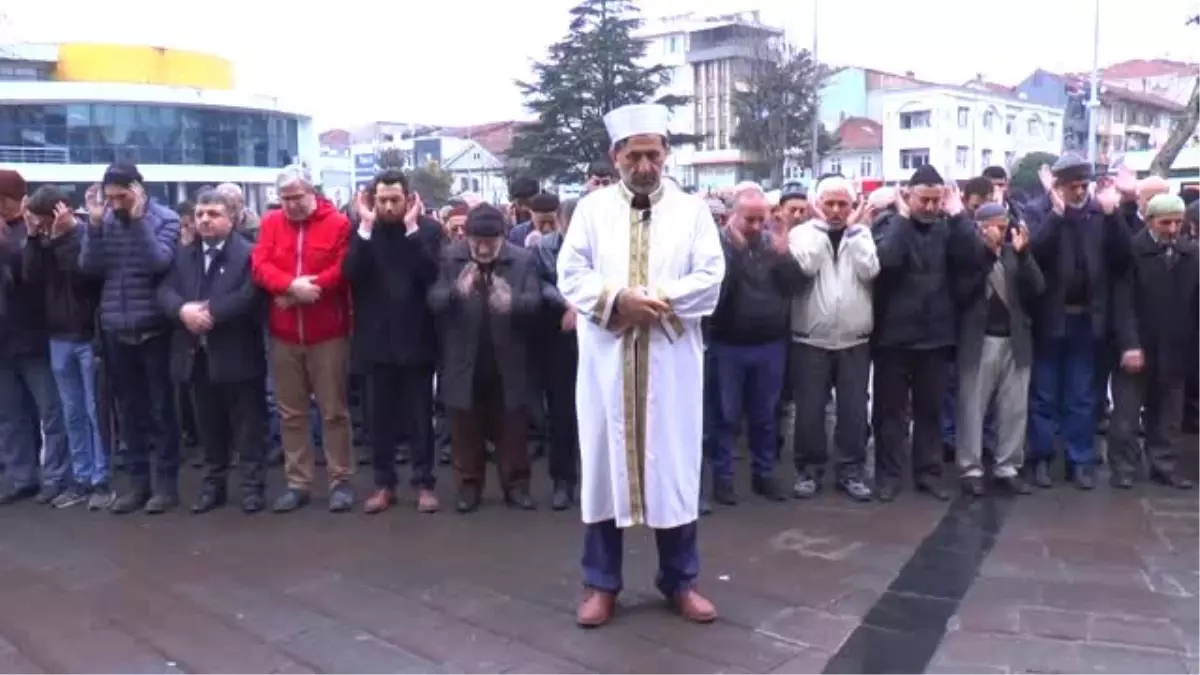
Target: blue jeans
[(950, 413), (1062, 394), (24, 380), (604, 554), (749, 380), (74, 366), (145, 398)]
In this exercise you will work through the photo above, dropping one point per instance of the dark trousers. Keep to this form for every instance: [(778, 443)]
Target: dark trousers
[(558, 375), (507, 430), (230, 418), (748, 379), (950, 416), (604, 553), (1163, 404), (1107, 360), (900, 374), (145, 399), (1062, 391), (187, 416), (814, 371), (401, 408)]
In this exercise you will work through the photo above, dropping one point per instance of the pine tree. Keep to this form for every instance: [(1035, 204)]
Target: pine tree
[(595, 68)]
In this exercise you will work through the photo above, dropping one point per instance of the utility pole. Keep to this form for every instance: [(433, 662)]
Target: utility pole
[(1094, 99), (816, 113)]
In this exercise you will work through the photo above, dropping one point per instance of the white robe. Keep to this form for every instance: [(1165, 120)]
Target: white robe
[(649, 380)]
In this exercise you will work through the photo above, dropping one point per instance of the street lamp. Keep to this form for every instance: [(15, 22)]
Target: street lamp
[(1094, 99)]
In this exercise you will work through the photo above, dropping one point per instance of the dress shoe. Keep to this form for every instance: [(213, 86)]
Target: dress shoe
[(253, 502), (1121, 479), (695, 607), (427, 501), (1013, 484), (596, 609), (161, 502), (1171, 479), (519, 498), (765, 486), (972, 486), (1041, 475), (210, 498), (887, 490), (129, 502), (932, 486), (290, 500), (14, 495), (468, 500), (379, 501), (723, 492), (562, 496)]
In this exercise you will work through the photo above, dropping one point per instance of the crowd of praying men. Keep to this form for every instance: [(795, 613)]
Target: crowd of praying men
[(949, 324)]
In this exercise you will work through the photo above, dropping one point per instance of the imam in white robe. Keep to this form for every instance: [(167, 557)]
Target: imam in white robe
[(640, 395)]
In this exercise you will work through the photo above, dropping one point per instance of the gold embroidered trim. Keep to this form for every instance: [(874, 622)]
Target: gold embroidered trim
[(636, 374)]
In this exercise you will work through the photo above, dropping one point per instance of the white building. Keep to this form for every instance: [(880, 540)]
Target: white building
[(473, 167), (707, 56), (68, 111), (961, 131)]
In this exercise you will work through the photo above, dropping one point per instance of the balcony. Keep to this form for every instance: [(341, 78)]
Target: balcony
[(730, 41), (16, 154)]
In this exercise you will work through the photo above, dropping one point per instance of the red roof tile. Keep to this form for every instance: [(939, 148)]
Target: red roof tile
[(860, 133), (1112, 91), (1140, 68)]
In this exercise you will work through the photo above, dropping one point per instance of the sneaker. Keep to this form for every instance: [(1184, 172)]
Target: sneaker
[(48, 493), (70, 497), (805, 487), (102, 497)]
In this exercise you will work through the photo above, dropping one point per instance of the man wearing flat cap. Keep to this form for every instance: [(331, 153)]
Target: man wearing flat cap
[(130, 242), (995, 354), (485, 297), (643, 264), (1081, 244), (1156, 311)]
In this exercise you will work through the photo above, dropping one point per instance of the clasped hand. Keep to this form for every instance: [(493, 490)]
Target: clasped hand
[(636, 308), (196, 317)]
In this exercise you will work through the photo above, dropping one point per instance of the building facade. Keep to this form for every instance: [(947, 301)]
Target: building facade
[(67, 111), (1128, 120), (961, 131), (708, 58)]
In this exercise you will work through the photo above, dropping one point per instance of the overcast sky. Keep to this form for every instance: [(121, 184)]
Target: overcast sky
[(453, 62)]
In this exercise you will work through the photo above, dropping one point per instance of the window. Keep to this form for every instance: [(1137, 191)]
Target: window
[(960, 156), (835, 165), (101, 133), (674, 44), (1010, 121), (1008, 158), (1051, 131), (914, 158), (1118, 113), (1035, 126), (964, 117), (915, 120), (989, 120), (986, 157), (866, 168)]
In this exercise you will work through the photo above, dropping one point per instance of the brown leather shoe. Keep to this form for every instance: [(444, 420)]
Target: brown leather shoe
[(596, 609), (427, 502), (695, 607), (379, 501)]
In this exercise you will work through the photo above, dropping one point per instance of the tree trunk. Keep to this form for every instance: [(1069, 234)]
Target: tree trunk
[(1180, 133)]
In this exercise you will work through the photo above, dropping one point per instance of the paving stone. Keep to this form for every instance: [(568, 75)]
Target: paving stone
[(810, 660), (16, 664), (268, 615), (1011, 652), (1136, 632), (720, 643), (1053, 623), (342, 649), (1096, 658), (1105, 599), (810, 627)]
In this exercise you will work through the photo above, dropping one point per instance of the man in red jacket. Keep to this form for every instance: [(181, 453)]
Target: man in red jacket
[(298, 260)]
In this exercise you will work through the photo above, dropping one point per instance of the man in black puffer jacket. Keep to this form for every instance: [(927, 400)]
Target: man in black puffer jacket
[(927, 253)]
